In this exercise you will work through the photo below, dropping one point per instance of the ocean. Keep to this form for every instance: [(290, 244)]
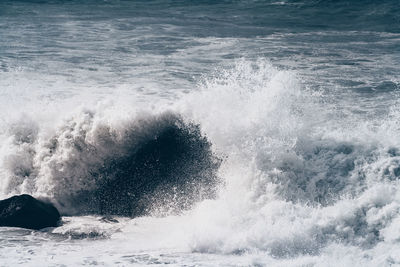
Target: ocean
[(203, 133)]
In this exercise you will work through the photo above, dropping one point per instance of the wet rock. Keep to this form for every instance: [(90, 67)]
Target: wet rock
[(108, 219), (27, 212)]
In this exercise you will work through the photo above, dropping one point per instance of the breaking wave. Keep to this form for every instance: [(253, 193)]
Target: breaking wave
[(151, 162), (253, 160)]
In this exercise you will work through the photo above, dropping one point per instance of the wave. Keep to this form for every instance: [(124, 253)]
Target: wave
[(264, 17), (309, 177), (258, 163), (151, 162)]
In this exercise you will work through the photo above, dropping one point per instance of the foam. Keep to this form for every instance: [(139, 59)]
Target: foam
[(301, 186)]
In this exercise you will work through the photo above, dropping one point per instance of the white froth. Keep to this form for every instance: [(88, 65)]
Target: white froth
[(300, 189)]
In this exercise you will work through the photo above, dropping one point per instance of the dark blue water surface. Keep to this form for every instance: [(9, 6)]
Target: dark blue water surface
[(218, 18)]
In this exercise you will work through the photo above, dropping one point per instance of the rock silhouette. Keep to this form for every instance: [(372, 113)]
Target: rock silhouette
[(26, 211)]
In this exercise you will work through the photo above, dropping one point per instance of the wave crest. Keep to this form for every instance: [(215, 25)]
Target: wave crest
[(154, 162)]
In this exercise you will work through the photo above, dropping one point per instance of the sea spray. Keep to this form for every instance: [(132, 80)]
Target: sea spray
[(152, 162), (293, 184)]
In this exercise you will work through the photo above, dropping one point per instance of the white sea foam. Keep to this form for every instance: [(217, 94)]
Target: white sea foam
[(302, 186)]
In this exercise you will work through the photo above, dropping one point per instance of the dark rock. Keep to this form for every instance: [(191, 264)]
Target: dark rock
[(27, 212), (108, 219)]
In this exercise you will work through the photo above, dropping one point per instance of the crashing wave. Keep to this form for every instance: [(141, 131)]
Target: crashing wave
[(156, 162)]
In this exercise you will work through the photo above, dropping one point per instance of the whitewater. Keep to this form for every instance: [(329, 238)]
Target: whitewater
[(232, 133)]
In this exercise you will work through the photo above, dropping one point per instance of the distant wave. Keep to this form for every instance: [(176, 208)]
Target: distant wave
[(291, 15)]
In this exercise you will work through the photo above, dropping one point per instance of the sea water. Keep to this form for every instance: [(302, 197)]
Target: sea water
[(297, 99)]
